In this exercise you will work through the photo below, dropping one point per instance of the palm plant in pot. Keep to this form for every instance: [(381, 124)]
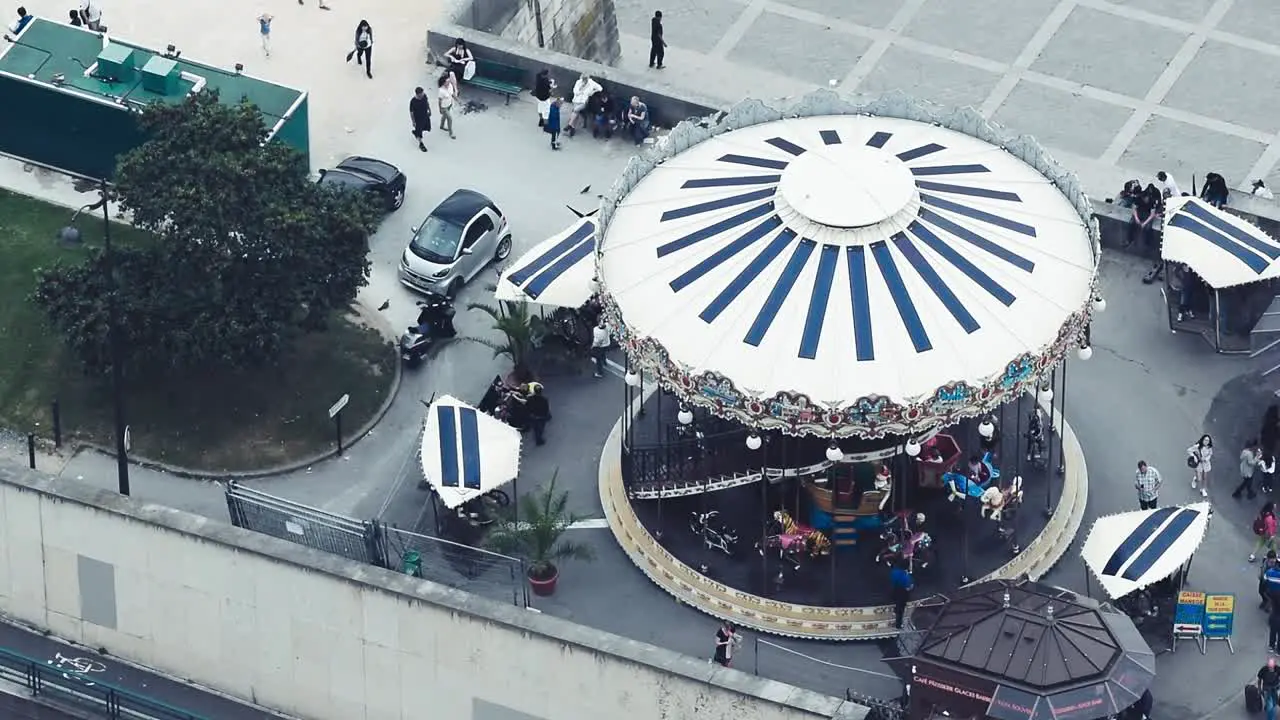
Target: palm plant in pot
[(533, 531), (521, 334)]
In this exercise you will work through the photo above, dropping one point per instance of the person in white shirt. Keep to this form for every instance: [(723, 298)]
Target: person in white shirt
[(600, 342), (91, 14), (583, 89), (448, 95), (1168, 186), (1260, 190)]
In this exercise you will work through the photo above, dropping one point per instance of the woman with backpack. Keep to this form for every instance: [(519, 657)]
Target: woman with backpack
[(1264, 527), (1200, 460)]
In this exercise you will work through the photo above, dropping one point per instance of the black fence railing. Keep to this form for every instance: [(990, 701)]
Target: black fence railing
[(69, 687), (475, 570), (686, 459)]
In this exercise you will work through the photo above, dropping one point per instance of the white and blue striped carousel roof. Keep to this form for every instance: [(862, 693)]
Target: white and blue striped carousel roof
[(847, 256)]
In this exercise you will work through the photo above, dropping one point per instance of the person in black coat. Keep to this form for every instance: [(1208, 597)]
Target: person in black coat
[(542, 87), (657, 45), (603, 114), (539, 412), (420, 115)]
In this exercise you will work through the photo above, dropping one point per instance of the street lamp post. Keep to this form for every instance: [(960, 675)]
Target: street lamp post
[(70, 234)]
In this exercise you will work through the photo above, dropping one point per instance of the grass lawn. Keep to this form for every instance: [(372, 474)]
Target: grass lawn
[(206, 421)]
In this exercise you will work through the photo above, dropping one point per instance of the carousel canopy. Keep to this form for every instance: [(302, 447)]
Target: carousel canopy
[(847, 272), (1018, 650), (557, 271), (466, 453), (1132, 550), (1218, 246)]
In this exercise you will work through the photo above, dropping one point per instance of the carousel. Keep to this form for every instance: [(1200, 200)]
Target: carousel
[(843, 325)]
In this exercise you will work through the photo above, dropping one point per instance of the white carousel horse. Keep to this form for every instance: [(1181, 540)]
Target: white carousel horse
[(995, 499)]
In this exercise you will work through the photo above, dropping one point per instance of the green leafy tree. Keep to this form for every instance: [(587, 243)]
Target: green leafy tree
[(247, 252)]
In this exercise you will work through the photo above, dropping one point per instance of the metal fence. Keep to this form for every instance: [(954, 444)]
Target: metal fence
[(485, 573), (478, 571), (74, 689)]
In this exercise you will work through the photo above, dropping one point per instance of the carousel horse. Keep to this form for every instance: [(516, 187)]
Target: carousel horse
[(974, 483), (995, 499), (793, 540), (909, 543)]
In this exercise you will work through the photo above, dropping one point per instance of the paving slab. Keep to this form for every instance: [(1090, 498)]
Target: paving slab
[(1083, 50), (1040, 111)]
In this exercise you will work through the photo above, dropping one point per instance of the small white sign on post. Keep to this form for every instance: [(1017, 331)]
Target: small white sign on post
[(337, 407)]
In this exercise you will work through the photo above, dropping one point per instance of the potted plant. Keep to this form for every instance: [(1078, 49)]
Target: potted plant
[(532, 531), (520, 332)]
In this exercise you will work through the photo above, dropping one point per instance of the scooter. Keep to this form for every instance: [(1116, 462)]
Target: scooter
[(435, 322)]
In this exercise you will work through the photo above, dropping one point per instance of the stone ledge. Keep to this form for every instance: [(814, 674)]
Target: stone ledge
[(812, 622)]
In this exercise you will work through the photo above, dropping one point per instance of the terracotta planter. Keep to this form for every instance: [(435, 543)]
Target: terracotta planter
[(545, 586)]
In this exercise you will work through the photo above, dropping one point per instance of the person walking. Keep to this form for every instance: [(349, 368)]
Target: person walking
[(91, 14), (420, 115), (657, 45), (552, 125), (264, 31), (600, 342), (539, 412), (363, 48), (1264, 527), (1267, 471), (1200, 460), (542, 87), (727, 639), (1250, 460), (1147, 481), (1269, 680), (447, 95), (900, 584)]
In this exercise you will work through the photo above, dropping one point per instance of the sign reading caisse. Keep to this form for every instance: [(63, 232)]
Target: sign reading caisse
[(1188, 617)]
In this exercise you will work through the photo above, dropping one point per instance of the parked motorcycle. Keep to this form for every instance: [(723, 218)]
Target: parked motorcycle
[(435, 323)]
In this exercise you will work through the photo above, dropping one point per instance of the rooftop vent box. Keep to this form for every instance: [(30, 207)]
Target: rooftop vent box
[(160, 76), (116, 62)]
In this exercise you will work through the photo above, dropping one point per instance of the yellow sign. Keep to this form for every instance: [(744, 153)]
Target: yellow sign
[(1190, 597), (1220, 604)]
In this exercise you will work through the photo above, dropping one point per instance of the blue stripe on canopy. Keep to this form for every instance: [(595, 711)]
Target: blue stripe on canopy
[(448, 431), (753, 161), (828, 261), (730, 181), (470, 448), (977, 240), (748, 274), (830, 137), (559, 267), (966, 190), (860, 303), (718, 204), (781, 289), (1161, 544), (973, 272), (1266, 248), (976, 214), (786, 145), (879, 139), (710, 231), (1252, 260), (936, 283), (718, 257), (901, 296), (520, 276), (948, 170), (921, 151), (1136, 540)]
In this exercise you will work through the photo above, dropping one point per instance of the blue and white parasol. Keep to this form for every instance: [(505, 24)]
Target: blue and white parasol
[(1132, 550), (467, 453), (558, 271), (847, 258), (1218, 246)]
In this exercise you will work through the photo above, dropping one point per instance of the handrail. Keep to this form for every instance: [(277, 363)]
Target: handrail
[(72, 686)]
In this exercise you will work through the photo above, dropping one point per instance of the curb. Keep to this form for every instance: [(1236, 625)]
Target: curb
[(811, 622), (284, 468)]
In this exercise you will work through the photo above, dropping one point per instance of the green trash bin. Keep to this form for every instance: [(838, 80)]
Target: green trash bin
[(411, 563)]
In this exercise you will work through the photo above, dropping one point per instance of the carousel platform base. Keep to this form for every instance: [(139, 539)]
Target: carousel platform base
[(843, 596)]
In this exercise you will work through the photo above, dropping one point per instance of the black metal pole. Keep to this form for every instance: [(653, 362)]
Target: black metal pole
[(1017, 437), (1062, 428), (337, 426), (31, 450), (113, 341), (57, 423), (1048, 464), (764, 527)]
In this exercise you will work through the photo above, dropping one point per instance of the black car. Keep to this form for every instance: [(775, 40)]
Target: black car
[(381, 179)]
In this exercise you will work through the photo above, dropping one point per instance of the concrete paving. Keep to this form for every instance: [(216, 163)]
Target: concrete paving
[(1116, 89), (1145, 394)]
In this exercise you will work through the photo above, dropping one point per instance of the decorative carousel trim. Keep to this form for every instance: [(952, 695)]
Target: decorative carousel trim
[(813, 622), (871, 416)]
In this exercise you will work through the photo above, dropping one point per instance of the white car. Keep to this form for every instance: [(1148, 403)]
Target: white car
[(454, 243)]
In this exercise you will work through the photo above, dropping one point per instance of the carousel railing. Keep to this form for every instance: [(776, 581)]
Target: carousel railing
[(685, 462)]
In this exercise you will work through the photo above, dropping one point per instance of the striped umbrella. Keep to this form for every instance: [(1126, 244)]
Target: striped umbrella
[(467, 453), (1132, 550), (557, 271), (1220, 247)]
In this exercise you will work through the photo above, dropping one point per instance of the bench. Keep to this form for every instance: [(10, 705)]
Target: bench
[(496, 77)]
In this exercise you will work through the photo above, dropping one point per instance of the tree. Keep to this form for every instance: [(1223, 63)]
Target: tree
[(247, 250), (536, 536), (520, 329)]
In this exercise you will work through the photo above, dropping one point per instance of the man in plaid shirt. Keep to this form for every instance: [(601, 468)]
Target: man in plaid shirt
[(1147, 481)]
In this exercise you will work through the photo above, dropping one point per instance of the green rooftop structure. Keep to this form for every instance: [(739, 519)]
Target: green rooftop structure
[(71, 97)]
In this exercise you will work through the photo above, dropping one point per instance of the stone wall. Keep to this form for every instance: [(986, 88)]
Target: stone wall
[(315, 635), (586, 29)]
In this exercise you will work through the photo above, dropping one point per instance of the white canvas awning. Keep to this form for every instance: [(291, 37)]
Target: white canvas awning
[(1219, 247), (558, 271), (466, 453), (1132, 550)]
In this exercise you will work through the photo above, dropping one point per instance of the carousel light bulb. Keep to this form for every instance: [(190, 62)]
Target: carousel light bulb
[(986, 429), (1046, 393), (1099, 304), (754, 442), (685, 416), (912, 448), (632, 378), (1085, 352), (834, 453)]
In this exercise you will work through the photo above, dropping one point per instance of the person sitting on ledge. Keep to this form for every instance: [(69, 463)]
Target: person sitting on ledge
[(603, 113), (638, 120)]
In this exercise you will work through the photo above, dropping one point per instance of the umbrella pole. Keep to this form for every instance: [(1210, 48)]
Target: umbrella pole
[(1088, 583), (1217, 319)]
